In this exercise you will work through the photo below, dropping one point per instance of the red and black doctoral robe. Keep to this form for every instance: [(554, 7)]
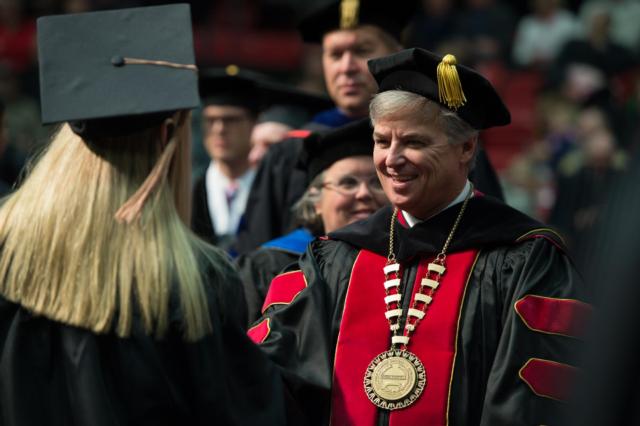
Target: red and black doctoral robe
[(497, 341)]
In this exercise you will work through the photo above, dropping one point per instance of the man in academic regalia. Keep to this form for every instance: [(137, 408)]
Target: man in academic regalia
[(448, 307), (232, 100), (350, 32)]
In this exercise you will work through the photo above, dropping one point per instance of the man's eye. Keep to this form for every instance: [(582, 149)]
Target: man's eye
[(416, 143), (363, 52), (335, 55)]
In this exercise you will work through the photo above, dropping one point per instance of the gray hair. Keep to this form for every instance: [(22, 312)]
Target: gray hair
[(304, 210), (393, 102)]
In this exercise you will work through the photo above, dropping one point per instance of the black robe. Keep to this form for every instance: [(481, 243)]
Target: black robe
[(609, 393), (55, 374), (260, 266), (580, 199), (279, 183), (520, 271), (200, 216), (201, 222)]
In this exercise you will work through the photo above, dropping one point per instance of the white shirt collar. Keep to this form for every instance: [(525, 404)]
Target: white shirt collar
[(226, 220), (412, 220)]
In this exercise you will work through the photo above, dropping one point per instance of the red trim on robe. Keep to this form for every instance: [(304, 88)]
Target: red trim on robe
[(298, 133), (531, 235), (284, 288), (259, 332), (364, 333), (401, 219), (549, 379), (567, 317)]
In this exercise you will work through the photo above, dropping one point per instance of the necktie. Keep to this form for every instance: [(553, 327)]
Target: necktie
[(230, 193)]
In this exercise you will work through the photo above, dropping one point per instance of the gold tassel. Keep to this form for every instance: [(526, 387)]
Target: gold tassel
[(132, 208), (232, 70), (449, 86), (349, 14)]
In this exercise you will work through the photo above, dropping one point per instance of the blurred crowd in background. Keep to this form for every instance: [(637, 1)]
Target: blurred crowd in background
[(568, 72)]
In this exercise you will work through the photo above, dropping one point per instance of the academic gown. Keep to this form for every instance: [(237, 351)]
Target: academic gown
[(608, 392), (497, 341), (260, 266), (200, 215), (279, 183), (59, 375)]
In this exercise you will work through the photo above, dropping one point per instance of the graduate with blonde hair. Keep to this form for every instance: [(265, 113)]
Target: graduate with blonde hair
[(111, 310)]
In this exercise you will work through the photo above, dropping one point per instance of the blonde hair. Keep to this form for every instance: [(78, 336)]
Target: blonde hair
[(65, 257)]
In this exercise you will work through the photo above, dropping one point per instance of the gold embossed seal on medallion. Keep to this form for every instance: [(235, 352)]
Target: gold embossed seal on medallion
[(394, 379)]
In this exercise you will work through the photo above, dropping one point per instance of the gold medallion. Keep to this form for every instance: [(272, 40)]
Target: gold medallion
[(395, 379)]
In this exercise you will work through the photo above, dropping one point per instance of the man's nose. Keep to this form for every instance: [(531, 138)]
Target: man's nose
[(348, 62), (395, 156)]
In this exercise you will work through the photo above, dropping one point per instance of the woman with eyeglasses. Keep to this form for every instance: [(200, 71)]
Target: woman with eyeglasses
[(344, 188)]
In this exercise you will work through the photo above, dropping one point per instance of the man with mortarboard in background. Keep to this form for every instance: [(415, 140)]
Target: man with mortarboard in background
[(232, 99), (350, 32), (448, 306)]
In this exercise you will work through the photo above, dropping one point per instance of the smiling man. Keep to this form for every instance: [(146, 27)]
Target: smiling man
[(350, 33), (448, 307)]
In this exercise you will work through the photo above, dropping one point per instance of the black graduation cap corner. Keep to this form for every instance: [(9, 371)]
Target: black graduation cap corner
[(322, 17), (453, 86), (114, 72), (320, 151)]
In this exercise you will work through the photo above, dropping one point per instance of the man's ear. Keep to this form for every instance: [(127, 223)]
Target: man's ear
[(469, 148)]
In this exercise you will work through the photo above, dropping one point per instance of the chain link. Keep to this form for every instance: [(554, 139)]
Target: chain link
[(440, 259)]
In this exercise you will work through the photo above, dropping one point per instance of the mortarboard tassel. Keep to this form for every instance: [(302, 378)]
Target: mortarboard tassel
[(449, 86), (131, 210), (349, 13)]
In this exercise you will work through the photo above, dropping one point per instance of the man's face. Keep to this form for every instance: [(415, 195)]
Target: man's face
[(227, 132), (420, 171), (344, 60)]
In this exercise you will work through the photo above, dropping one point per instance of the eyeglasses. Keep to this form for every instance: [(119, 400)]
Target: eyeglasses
[(226, 120), (350, 185)]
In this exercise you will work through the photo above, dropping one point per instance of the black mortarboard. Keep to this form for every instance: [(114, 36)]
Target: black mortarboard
[(453, 86), (321, 151), (331, 15), (115, 72), (255, 91), (229, 86)]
